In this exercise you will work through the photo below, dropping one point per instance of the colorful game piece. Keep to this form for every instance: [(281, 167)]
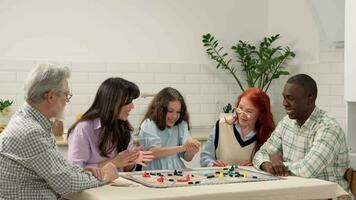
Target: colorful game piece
[(146, 175), (210, 176), (231, 173), (160, 179), (232, 168), (221, 176), (185, 179), (188, 177)]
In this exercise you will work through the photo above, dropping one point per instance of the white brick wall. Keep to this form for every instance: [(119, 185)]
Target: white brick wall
[(205, 88), (197, 82)]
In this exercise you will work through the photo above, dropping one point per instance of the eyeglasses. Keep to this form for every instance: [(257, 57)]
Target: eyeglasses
[(67, 94), (242, 112)]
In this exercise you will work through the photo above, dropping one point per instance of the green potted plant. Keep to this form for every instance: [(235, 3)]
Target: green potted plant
[(5, 107), (261, 64), (4, 112)]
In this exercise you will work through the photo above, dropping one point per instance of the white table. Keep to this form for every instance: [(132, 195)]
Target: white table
[(291, 188)]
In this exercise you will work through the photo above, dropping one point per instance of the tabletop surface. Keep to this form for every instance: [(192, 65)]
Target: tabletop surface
[(291, 188)]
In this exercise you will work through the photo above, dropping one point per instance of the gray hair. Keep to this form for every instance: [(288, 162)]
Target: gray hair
[(44, 78)]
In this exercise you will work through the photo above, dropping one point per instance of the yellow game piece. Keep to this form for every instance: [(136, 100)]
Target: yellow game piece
[(221, 176), (245, 174)]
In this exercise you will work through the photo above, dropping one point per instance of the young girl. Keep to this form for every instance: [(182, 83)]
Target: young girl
[(103, 134), (165, 131), (236, 140)]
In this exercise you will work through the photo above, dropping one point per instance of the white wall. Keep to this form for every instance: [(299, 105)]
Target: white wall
[(297, 23), (350, 71), (155, 43), (350, 49), (166, 31)]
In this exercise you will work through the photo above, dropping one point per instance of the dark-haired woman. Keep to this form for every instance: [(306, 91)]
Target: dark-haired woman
[(103, 134), (165, 131)]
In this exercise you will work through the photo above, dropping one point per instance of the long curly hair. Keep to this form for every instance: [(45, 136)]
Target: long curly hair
[(265, 124), (111, 96), (158, 108)]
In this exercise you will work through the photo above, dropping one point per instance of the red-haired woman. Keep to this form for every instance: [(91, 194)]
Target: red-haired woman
[(236, 140)]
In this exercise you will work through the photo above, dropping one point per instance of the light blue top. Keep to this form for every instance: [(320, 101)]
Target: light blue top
[(151, 136), (207, 156)]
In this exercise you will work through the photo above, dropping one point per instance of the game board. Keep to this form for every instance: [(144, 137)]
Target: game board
[(201, 176)]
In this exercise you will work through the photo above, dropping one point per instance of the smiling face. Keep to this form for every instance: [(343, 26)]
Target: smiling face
[(247, 113), (173, 113), (125, 111), (297, 103)]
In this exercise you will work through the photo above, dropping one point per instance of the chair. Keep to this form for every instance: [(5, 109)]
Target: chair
[(350, 176)]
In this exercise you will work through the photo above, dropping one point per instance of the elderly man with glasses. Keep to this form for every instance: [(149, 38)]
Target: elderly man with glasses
[(30, 163)]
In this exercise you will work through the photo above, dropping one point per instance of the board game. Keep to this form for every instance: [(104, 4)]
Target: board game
[(194, 177)]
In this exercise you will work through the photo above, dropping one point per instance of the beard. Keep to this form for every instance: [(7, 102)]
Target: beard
[(58, 112)]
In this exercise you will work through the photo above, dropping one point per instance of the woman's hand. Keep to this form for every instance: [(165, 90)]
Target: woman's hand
[(219, 163), (126, 157), (245, 163)]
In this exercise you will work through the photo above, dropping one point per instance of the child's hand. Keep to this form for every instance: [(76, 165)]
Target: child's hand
[(192, 146), (144, 156)]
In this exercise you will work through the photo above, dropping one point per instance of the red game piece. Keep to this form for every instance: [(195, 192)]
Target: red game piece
[(160, 179), (146, 175), (185, 179)]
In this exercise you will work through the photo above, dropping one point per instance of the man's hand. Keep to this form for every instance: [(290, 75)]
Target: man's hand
[(110, 172), (276, 166), (267, 167), (277, 163), (97, 172)]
